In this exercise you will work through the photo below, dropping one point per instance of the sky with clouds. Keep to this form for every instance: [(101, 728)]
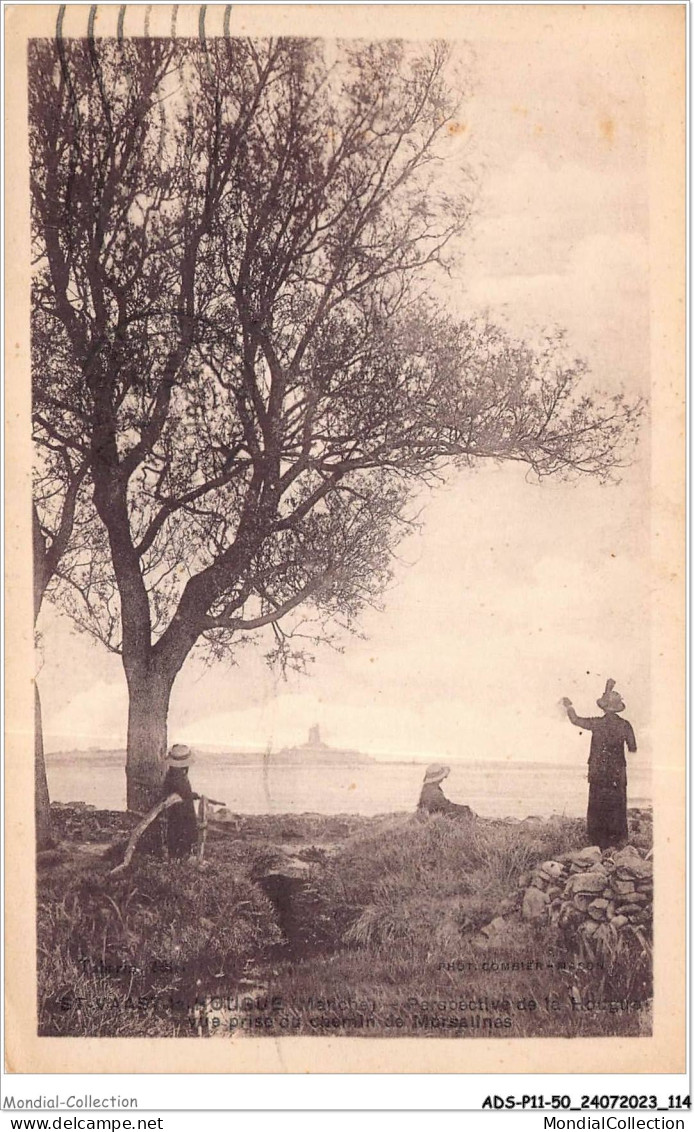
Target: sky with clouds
[(512, 594)]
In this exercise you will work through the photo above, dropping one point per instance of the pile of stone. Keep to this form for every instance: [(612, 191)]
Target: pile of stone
[(590, 893), (593, 893)]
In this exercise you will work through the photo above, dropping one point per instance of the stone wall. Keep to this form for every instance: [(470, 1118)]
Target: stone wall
[(592, 894)]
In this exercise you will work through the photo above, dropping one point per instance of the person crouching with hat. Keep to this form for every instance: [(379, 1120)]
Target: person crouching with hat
[(182, 824), (432, 799), (607, 768)]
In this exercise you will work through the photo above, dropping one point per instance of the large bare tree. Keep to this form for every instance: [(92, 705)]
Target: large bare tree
[(235, 249)]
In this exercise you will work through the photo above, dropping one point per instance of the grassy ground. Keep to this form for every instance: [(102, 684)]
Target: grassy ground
[(370, 926)]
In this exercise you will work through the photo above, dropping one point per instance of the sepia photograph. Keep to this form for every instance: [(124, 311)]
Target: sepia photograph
[(349, 395)]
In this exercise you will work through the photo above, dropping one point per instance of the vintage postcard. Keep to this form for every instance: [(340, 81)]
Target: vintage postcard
[(345, 538)]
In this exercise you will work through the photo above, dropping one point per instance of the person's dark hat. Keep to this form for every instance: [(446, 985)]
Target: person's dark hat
[(611, 700)]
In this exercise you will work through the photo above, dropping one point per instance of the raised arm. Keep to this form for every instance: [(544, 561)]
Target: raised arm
[(581, 721)]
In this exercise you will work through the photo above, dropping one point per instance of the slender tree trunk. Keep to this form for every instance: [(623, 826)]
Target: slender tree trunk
[(147, 730), (42, 802), (42, 805)]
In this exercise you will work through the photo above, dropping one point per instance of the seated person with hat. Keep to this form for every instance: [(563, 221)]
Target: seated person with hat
[(432, 799), (182, 825)]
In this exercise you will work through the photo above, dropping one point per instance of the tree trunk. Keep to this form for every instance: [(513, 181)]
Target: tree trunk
[(42, 804), (147, 719)]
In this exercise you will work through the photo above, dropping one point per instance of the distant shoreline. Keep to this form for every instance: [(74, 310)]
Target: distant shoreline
[(217, 760), (240, 759)]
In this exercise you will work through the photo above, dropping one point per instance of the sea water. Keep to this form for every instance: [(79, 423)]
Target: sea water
[(491, 789)]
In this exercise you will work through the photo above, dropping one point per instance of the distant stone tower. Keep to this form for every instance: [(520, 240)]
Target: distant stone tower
[(314, 739)]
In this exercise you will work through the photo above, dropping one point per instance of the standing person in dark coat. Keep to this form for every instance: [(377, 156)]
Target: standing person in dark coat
[(181, 819), (432, 799), (607, 768)]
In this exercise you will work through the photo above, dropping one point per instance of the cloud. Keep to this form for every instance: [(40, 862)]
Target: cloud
[(532, 213), (92, 717), (600, 296)]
